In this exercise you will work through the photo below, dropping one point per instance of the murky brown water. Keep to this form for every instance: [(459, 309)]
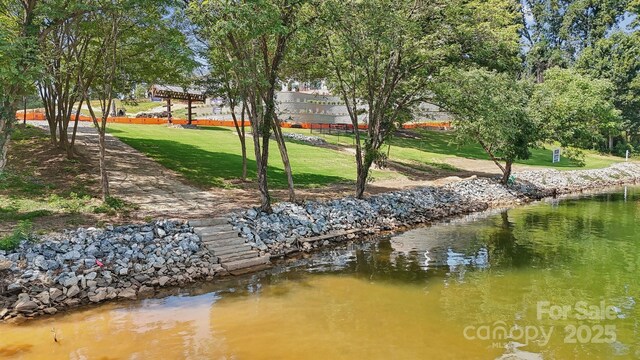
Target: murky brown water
[(431, 293)]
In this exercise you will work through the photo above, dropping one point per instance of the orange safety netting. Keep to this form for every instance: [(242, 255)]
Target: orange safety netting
[(39, 115)]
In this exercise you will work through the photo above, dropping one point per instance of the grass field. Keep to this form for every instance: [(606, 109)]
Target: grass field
[(211, 156), (434, 147)]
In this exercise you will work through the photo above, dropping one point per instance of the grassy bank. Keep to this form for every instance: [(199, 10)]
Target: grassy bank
[(211, 156), (434, 147)]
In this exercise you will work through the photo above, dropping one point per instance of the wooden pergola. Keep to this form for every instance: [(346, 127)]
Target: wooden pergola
[(169, 92)]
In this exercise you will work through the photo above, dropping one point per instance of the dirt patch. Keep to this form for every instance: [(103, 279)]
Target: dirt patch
[(39, 180)]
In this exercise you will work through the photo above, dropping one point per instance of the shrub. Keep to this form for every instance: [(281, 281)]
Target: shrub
[(20, 233)]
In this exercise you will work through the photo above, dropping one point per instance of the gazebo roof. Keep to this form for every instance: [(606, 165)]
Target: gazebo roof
[(178, 92)]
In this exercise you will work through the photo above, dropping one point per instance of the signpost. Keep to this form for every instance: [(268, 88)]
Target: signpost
[(556, 156)]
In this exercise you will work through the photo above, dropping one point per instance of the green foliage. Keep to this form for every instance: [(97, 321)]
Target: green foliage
[(485, 33), (574, 110), (621, 148), (616, 58), (20, 233), (490, 108), (210, 157), (556, 32), (113, 206), (73, 204)]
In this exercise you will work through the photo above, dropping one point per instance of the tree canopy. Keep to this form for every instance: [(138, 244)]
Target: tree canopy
[(575, 110), (490, 108)]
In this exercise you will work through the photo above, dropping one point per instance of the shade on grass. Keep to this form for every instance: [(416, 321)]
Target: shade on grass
[(210, 156), (429, 146)]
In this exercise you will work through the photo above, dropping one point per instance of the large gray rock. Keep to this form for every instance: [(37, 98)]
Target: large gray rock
[(27, 306), (73, 291), (55, 293), (128, 293)]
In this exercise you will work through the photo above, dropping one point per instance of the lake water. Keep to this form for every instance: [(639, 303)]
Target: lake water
[(554, 280)]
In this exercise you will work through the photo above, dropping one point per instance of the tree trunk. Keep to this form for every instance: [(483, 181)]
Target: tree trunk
[(362, 176), (6, 124), (277, 132), (241, 135), (261, 149), (75, 125), (261, 168), (243, 143), (263, 184), (104, 177), (506, 173)]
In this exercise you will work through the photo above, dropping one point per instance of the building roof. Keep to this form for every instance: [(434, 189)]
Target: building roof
[(178, 92)]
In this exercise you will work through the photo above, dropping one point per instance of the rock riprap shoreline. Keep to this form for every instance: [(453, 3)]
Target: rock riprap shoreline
[(60, 271), (294, 226)]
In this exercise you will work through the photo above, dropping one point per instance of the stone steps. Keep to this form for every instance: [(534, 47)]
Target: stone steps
[(241, 256), (217, 231), (227, 247), (224, 242), (209, 222), (226, 250), (239, 264)]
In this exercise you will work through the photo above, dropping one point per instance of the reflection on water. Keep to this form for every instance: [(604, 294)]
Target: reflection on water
[(427, 293)]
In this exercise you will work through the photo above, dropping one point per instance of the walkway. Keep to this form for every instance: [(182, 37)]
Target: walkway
[(158, 191)]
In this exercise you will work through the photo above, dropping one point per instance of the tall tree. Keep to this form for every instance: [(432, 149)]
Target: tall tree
[(255, 36), (575, 110), (490, 109), (222, 81), (382, 60), (556, 31), (63, 55), (616, 58), (19, 34), (126, 49)]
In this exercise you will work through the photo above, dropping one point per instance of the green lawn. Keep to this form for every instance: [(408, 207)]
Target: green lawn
[(210, 156), (434, 147), (142, 105)]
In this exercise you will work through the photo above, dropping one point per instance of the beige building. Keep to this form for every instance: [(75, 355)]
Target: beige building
[(315, 107)]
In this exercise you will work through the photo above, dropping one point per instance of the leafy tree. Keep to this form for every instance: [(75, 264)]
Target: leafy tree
[(125, 49), (556, 31), (254, 37), (617, 59), (382, 60), (18, 40), (575, 110), (490, 108), (23, 26), (485, 33), (63, 61)]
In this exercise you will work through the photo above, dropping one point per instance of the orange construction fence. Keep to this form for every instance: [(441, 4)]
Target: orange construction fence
[(33, 115)]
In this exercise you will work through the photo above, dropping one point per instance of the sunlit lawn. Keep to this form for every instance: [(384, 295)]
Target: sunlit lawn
[(436, 146), (210, 156)]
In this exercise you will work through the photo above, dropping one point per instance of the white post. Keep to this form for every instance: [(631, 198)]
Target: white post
[(626, 158)]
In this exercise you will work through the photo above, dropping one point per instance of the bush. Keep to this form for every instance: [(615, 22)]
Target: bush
[(621, 148), (22, 232), (575, 155)]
